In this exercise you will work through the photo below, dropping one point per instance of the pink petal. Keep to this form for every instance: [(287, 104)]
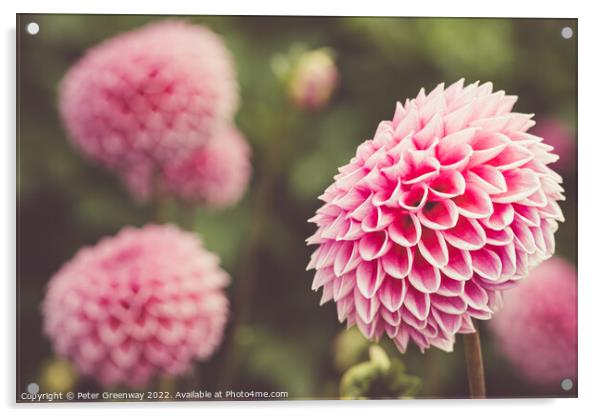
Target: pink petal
[(347, 258), (450, 287), (459, 266), (487, 263), (397, 261), (424, 276), (405, 230), (474, 295), (449, 323), (392, 293), (414, 198), (499, 237), (502, 216), (433, 248), (433, 130), (369, 277), (366, 308), (513, 156), (521, 184), (448, 184), (523, 238), (439, 215), (458, 119), (467, 234), (374, 245), (421, 167), (417, 302), (474, 203), (450, 305), (322, 277), (342, 286), (487, 146), (488, 179)]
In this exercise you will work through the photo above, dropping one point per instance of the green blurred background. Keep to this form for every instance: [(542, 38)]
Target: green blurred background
[(286, 341)]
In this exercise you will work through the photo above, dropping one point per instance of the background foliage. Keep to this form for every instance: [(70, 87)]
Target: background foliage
[(287, 342)]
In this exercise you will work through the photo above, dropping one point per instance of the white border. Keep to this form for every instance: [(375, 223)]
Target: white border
[(590, 154)]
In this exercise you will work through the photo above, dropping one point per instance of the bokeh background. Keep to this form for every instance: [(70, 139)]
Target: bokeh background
[(284, 341)]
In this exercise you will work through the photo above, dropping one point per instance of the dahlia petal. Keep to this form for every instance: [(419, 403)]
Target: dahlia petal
[(347, 258), (475, 296), (551, 211), (392, 318), (446, 344), (502, 216), (488, 178), (479, 314), (448, 184), (421, 167), (467, 325), (335, 228), (521, 184), (439, 215), (433, 248), (343, 285), (378, 219), (537, 199), (499, 237), (349, 180), (487, 105), (369, 277), (486, 146), (345, 307), (474, 203), (350, 200), (325, 255), (451, 305), (418, 303), (410, 319), (424, 276), (487, 263), (368, 329), (362, 210), (111, 333), (410, 123), (449, 323), (405, 230), (399, 114), (327, 293), (454, 156), (507, 254), (459, 265), (522, 263), (388, 197), (454, 90), (540, 242), (513, 156), (527, 214), (426, 136), (392, 293), (397, 261), (458, 119), (492, 124), (519, 122), (450, 287), (366, 308), (125, 355), (523, 238), (506, 104), (433, 105), (415, 198), (374, 245), (467, 234), (351, 231), (402, 339), (462, 137), (322, 276)]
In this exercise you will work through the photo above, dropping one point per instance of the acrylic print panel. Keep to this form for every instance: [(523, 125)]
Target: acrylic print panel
[(181, 235)]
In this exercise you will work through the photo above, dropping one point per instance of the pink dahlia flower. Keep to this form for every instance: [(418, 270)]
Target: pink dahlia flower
[(144, 302), (216, 173), (313, 79), (537, 328), (557, 134), (149, 95), (450, 203)]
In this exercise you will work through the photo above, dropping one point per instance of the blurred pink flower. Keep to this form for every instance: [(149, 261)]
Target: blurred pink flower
[(144, 302), (216, 174), (313, 79), (537, 327), (557, 134), (149, 95), (450, 203)]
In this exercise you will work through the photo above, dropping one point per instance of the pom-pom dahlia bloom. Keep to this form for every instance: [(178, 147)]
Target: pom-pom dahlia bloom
[(144, 302), (537, 327), (217, 173), (450, 203), (148, 95)]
